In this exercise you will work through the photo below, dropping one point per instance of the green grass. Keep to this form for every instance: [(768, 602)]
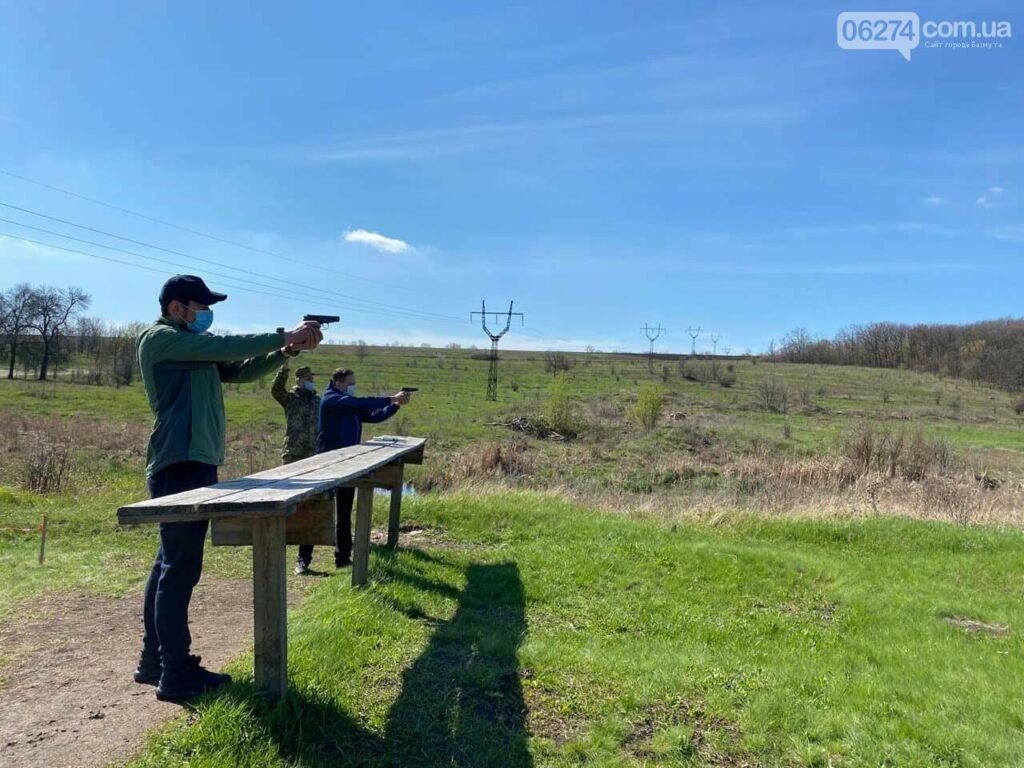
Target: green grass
[(534, 632), (528, 631)]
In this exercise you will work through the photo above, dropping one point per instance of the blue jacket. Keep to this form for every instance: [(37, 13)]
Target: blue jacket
[(341, 417)]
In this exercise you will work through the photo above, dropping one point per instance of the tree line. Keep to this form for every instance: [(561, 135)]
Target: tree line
[(991, 351), (43, 327)]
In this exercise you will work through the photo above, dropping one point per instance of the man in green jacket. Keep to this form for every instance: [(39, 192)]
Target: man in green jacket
[(183, 368)]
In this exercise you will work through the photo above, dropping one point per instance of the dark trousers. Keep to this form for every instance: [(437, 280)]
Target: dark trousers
[(343, 530), (176, 570)]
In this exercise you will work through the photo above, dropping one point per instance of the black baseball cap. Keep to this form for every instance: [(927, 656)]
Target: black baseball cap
[(186, 288)]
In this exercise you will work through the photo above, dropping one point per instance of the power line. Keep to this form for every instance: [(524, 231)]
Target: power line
[(190, 230), (390, 309), (248, 289)]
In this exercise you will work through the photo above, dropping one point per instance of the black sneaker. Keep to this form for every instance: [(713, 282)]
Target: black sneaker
[(302, 568), (189, 682), (342, 562), (149, 670)]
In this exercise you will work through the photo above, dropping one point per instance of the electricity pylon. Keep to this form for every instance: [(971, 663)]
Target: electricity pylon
[(714, 342), (657, 332), (492, 371), (694, 333)]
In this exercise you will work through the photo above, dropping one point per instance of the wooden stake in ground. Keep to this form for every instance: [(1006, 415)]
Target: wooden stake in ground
[(42, 541)]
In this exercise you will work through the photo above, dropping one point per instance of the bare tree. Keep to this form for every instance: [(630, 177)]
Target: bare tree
[(123, 359), (16, 317), (55, 309), (361, 349), (89, 332), (555, 361)]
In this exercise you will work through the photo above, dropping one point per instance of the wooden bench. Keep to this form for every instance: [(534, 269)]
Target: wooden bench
[(290, 504)]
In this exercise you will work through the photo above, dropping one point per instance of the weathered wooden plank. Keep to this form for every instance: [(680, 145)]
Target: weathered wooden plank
[(293, 489), (383, 477), (199, 496), (395, 508), (277, 488), (270, 619), (361, 547), (312, 523)]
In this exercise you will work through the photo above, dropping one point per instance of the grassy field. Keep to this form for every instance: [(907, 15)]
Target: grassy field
[(525, 631), (713, 597)]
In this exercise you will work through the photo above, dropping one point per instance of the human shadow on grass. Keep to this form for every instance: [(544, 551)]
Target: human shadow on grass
[(461, 701)]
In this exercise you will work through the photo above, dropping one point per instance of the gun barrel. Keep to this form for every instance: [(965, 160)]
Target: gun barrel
[(322, 319)]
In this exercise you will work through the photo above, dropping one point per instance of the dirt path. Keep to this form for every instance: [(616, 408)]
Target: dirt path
[(69, 698)]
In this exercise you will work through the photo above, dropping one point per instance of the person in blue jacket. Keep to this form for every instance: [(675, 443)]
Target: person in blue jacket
[(340, 424)]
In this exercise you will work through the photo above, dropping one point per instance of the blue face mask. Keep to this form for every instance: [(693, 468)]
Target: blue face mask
[(309, 386), (351, 390), (203, 321)]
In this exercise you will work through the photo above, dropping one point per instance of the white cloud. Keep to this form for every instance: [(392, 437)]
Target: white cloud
[(988, 199), (935, 200), (377, 241)]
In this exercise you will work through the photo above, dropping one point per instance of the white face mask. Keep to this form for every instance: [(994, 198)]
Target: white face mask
[(351, 390), (309, 386)]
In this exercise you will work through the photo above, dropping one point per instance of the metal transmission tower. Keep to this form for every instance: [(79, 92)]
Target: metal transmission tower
[(694, 333), (492, 371), (657, 332), (714, 342)]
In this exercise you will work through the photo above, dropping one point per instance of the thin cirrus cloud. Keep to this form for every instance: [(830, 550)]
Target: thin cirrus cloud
[(376, 241), (988, 200), (935, 200), (647, 126)]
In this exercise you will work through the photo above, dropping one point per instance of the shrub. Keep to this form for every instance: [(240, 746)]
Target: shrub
[(894, 455), (774, 394), (727, 377), (557, 410), (647, 409), (806, 393), (556, 361), (695, 370), (1018, 408), (47, 467)]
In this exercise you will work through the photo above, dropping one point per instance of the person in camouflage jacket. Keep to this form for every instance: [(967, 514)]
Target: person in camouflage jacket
[(301, 405)]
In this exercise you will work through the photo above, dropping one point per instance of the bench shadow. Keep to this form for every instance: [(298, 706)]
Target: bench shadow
[(461, 701)]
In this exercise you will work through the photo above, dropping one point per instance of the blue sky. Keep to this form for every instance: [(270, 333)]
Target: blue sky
[(605, 165)]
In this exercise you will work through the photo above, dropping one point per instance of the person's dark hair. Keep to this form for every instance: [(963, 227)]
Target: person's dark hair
[(165, 309), (340, 374)]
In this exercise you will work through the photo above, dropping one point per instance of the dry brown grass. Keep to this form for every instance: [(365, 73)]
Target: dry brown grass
[(507, 461), (39, 452)]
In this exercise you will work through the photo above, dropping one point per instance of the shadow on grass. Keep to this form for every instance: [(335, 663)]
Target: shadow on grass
[(461, 702)]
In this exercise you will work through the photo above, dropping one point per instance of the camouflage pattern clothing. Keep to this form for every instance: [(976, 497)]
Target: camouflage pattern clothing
[(300, 409)]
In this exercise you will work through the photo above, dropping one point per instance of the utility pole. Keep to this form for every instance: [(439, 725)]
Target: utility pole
[(714, 342), (694, 333), (492, 371), (727, 350), (657, 332)]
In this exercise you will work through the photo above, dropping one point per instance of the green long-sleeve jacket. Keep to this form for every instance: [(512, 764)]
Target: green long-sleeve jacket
[(182, 373)]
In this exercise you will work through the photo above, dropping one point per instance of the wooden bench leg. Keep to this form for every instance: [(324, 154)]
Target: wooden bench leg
[(395, 512), (361, 550), (270, 605)]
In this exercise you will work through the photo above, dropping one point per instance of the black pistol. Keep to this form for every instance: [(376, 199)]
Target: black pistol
[(322, 319)]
